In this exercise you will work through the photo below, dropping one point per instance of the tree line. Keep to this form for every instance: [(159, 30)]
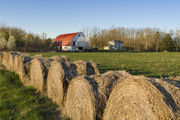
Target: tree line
[(142, 39), (13, 38)]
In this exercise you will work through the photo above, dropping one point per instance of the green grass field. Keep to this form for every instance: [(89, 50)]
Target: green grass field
[(22, 103), (150, 64)]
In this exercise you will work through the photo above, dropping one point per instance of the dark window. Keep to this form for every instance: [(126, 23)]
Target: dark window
[(79, 35), (73, 43)]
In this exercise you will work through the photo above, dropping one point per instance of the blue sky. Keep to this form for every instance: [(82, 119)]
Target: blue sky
[(56, 17)]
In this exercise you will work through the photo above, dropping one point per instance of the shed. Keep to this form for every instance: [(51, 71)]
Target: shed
[(72, 42), (114, 44)]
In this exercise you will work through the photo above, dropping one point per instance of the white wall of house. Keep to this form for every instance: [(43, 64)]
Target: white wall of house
[(114, 45), (66, 48)]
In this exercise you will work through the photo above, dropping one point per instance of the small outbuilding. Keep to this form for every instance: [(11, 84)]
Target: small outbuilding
[(72, 42), (114, 44)]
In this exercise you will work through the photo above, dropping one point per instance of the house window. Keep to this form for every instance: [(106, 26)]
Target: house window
[(65, 47), (79, 35), (73, 43)]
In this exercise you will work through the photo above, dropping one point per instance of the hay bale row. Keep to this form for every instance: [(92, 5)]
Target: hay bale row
[(60, 74), (85, 94), (34, 70), (118, 95), (90, 93)]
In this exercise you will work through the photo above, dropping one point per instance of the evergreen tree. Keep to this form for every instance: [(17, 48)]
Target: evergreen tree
[(168, 44)]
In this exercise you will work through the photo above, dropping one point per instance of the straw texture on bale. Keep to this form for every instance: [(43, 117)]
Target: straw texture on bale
[(59, 75), (84, 100), (11, 57), (170, 88), (38, 73), (137, 99), (86, 68), (5, 58), (23, 63), (109, 80), (16, 63), (101, 87), (172, 92)]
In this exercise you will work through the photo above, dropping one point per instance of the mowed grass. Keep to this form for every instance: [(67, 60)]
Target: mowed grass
[(22, 103), (150, 64)]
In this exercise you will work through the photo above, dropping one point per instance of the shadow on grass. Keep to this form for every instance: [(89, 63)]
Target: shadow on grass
[(104, 69)]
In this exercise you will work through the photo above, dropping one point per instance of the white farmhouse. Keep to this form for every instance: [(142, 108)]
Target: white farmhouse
[(72, 42), (114, 44)]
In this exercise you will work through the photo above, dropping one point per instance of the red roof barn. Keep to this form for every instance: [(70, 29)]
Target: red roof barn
[(72, 42)]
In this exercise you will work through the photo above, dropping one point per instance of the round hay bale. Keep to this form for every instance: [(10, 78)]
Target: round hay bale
[(38, 73), (8, 60), (1, 57), (86, 68), (11, 61), (5, 58), (84, 100), (23, 63), (137, 98), (59, 75), (80, 67), (20, 58)]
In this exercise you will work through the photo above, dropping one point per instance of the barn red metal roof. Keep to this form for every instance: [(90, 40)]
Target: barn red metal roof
[(64, 39)]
